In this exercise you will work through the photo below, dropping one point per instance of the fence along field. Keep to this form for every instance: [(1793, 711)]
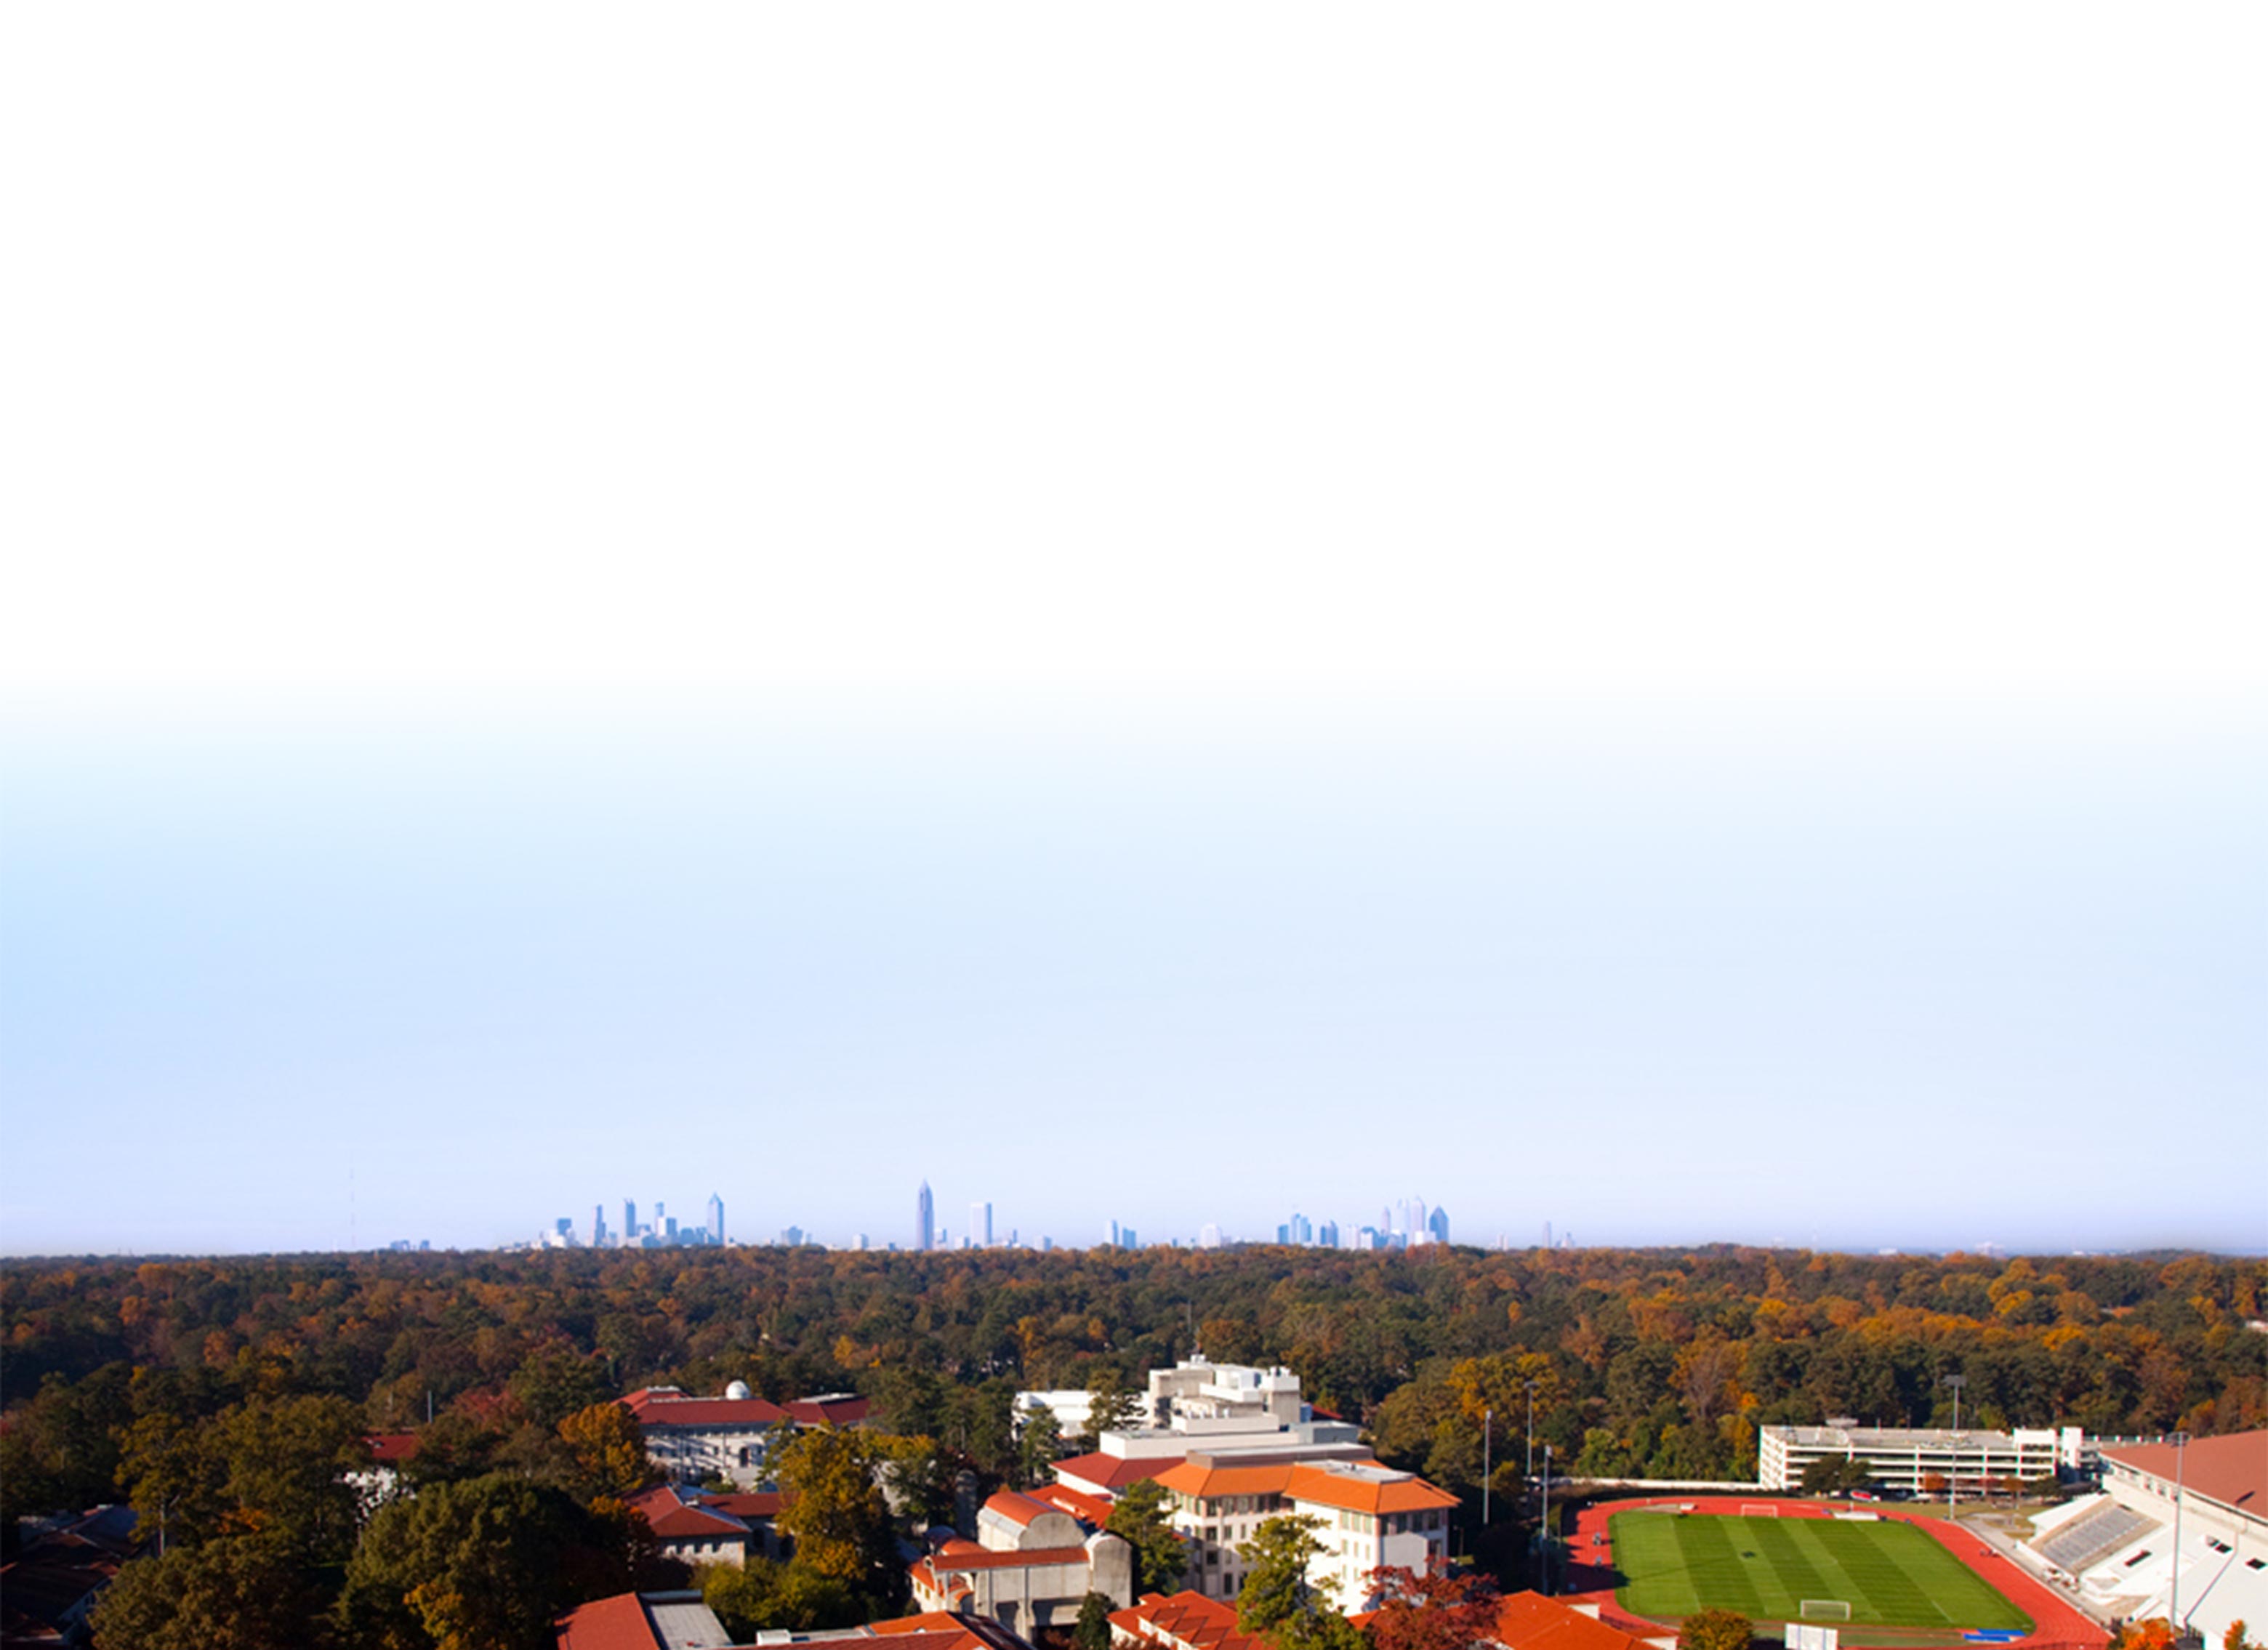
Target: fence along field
[(1796, 1569)]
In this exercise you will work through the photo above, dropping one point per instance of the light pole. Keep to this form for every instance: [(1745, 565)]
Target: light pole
[(1953, 1478), (1488, 1435), (1543, 1531), (2174, 1603), (1530, 1468)]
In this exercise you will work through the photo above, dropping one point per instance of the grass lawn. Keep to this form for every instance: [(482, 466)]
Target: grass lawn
[(1893, 1575)]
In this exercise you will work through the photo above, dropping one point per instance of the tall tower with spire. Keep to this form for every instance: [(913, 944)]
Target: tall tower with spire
[(926, 1220)]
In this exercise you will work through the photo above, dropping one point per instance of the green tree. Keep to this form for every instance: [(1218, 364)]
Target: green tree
[(763, 1596), (1604, 1455), (609, 1448), (917, 1479), (482, 1565), (233, 1593), (555, 1381), (176, 1477), (1276, 1587), (834, 1509), (1139, 1516), (1835, 1475), (1039, 1445), (1715, 1630), (1111, 1406), (287, 1460), (1093, 1631), (1276, 1599)]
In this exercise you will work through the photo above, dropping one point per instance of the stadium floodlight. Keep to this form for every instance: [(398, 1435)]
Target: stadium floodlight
[(1953, 1478), (2174, 1600)]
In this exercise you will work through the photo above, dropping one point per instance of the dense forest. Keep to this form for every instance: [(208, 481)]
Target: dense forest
[(222, 1395)]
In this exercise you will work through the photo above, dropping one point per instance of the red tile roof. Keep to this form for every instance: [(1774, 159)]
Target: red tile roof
[(1201, 1478), (667, 1406), (2231, 1469), (619, 1623), (937, 1630), (1528, 1621), (1018, 1508), (748, 1503), (1186, 1621), (838, 1408), (671, 1517), (388, 1448), (949, 1563), (1362, 1494), (1114, 1473), (1088, 1509), (1369, 1492)]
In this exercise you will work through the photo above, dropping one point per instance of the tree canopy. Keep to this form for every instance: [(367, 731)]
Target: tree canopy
[(1139, 1515), (1715, 1630)]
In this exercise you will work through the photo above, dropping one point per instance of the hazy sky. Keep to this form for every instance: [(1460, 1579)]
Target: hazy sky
[(1639, 617)]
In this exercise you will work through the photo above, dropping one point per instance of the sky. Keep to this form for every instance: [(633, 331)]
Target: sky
[(1638, 619)]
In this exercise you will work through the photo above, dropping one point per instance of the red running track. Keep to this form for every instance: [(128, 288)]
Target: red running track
[(2056, 1621)]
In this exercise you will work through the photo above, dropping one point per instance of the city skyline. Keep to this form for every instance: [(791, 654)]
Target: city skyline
[(1633, 639)]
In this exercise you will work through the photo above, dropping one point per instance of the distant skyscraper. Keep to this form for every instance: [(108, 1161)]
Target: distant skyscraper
[(629, 1220), (599, 1227), (925, 1221), (1208, 1236), (716, 1219), (1328, 1235), (1128, 1237), (980, 1226), (1439, 1222), (792, 1237)]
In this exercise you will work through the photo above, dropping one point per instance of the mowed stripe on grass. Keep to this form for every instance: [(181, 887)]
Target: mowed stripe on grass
[(1892, 1575)]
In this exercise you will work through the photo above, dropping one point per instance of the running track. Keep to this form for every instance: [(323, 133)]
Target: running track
[(2056, 1623)]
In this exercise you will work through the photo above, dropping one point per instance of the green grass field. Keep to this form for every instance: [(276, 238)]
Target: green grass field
[(1893, 1575)]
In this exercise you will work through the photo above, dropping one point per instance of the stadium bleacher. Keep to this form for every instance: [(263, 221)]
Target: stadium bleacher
[(2093, 1536)]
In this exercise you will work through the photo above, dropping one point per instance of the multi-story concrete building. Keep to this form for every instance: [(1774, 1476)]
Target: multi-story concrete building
[(1366, 1517), (1924, 1460)]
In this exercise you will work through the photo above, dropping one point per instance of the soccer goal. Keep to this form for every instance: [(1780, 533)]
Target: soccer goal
[(1758, 1509), (1824, 1610), (1802, 1636)]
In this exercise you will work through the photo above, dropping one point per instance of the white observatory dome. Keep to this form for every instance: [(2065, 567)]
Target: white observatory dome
[(738, 1389)]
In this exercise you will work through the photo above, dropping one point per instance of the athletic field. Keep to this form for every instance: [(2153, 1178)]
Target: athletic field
[(1891, 1575)]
